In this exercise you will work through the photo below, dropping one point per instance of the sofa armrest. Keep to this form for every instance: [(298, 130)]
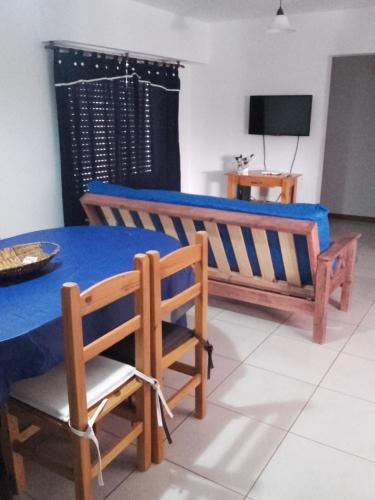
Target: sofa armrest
[(338, 247)]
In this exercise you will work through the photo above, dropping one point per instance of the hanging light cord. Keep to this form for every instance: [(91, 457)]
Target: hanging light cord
[(291, 166)]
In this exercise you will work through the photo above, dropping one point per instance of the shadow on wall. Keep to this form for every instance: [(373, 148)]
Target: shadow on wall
[(215, 182)]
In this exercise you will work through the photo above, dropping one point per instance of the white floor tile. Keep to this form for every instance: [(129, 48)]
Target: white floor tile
[(212, 312), (234, 340), (340, 421), (260, 318), (369, 319), (170, 482), (304, 470), (362, 343), (364, 289), (301, 360), (266, 396), (227, 448), (353, 376), (356, 312), (300, 327)]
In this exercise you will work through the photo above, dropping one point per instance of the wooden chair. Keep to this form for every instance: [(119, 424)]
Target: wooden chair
[(87, 386), (170, 342)]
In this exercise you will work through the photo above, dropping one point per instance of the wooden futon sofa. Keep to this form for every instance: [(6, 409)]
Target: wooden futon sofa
[(270, 254)]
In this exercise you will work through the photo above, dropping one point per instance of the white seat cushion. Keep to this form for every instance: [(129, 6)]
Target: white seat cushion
[(48, 393)]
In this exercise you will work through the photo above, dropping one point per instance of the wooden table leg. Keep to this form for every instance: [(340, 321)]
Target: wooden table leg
[(284, 196), (231, 187), (294, 190)]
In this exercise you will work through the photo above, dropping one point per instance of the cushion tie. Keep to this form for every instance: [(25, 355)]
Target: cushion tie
[(160, 396), (209, 348), (90, 434)]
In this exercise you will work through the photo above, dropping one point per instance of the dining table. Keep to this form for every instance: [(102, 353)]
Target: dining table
[(31, 339), (31, 335)]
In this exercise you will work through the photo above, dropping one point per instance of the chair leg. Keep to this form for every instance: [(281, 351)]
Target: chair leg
[(143, 409), (82, 468), (157, 435), (200, 391), (15, 463)]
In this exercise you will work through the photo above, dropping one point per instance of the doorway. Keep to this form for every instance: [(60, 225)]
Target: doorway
[(348, 184)]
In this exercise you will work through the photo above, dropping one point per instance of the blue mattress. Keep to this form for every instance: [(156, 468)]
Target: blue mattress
[(299, 211)]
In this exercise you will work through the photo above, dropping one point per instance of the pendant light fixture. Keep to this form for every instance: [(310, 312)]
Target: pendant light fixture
[(280, 24)]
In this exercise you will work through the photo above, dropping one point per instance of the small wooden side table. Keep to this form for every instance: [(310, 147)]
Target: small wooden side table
[(287, 183)]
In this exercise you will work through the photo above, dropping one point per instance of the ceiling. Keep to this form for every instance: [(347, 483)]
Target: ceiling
[(225, 10)]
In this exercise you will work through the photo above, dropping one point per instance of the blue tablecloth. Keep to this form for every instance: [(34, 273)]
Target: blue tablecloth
[(31, 341)]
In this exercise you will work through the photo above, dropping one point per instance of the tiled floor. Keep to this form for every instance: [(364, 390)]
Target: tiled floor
[(287, 419)]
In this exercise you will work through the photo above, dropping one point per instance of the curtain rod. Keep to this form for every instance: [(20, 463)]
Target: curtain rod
[(88, 47)]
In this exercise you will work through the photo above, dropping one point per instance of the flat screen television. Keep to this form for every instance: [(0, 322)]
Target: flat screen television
[(280, 114)]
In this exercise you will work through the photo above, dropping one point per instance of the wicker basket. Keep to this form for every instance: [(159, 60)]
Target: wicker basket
[(28, 258)]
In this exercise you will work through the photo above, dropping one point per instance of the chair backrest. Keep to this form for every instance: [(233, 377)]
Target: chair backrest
[(194, 255), (266, 252), (77, 305)]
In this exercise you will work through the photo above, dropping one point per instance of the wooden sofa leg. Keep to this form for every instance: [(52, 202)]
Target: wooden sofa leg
[(346, 289), (10, 428), (320, 323), (323, 276)]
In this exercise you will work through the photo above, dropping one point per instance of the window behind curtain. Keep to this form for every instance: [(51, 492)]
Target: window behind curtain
[(118, 122)]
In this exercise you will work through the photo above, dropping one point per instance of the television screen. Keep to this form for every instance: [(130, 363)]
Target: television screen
[(280, 114)]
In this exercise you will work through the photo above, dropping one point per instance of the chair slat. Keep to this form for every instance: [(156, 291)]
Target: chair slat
[(186, 389), (168, 226), (109, 217), (127, 218), (109, 291), (217, 245), (239, 249), (288, 252), (146, 220), (263, 254), (118, 396), (178, 300), (111, 338), (189, 229), (180, 259), (123, 442), (176, 354)]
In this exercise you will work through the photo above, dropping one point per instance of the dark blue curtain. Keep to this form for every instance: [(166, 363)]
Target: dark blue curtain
[(118, 122)]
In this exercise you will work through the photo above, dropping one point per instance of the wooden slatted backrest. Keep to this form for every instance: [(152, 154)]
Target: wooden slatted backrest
[(230, 235), (77, 305), (194, 255)]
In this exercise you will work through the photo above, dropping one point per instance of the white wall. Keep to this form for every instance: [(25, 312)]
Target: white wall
[(246, 60), (30, 193), (243, 60), (349, 160)]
